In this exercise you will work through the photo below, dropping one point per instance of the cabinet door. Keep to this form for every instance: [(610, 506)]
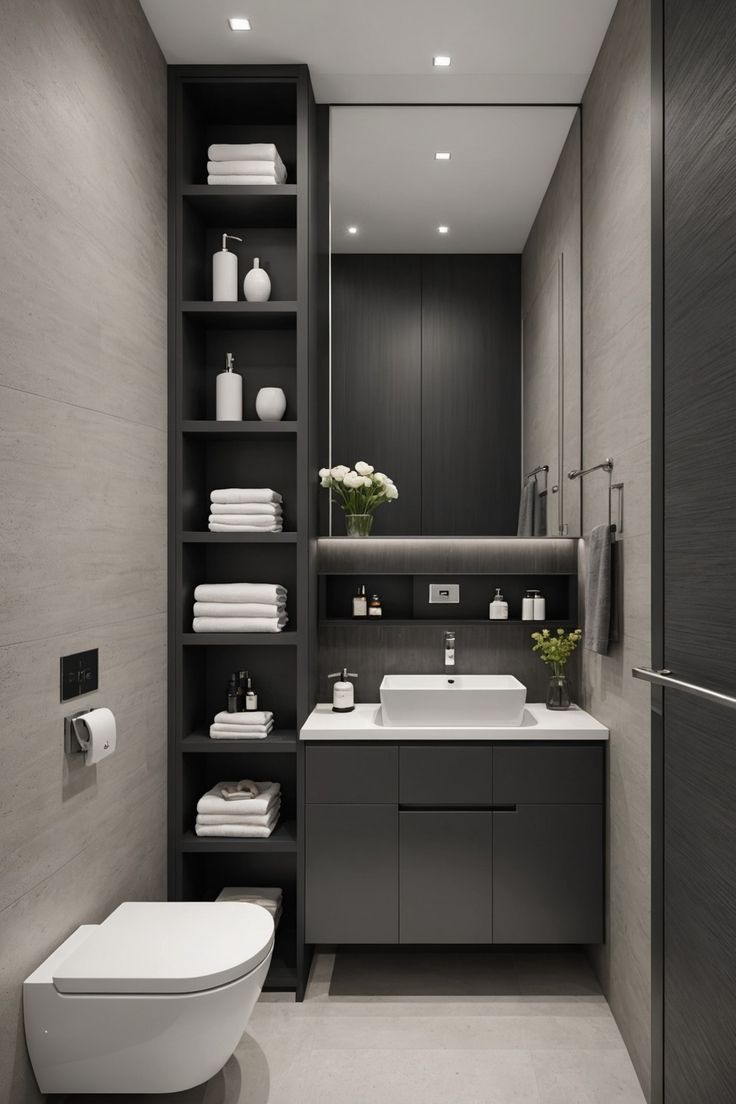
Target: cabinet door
[(352, 862), (445, 877), (548, 874)]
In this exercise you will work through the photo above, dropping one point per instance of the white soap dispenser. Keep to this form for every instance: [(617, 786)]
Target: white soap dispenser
[(229, 393), (499, 607), (343, 692), (257, 284), (225, 273)]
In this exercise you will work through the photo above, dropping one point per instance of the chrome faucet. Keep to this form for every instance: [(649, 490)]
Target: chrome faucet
[(449, 651)]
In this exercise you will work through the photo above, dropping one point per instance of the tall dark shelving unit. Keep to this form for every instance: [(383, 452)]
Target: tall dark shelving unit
[(275, 343)]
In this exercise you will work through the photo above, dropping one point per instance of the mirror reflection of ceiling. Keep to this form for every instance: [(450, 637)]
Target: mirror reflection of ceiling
[(386, 184), (503, 51)]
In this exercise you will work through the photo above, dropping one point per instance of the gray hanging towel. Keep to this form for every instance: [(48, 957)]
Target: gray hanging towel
[(540, 514), (598, 591), (527, 508)]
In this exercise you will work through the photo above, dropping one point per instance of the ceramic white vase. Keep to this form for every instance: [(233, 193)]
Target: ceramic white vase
[(257, 284), (270, 404)]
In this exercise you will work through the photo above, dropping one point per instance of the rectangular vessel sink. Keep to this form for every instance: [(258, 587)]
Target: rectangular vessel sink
[(462, 701)]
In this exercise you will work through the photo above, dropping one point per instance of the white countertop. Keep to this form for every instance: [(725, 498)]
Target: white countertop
[(539, 723)]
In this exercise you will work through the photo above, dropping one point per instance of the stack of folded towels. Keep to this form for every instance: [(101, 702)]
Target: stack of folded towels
[(270, 899), (245, 510), (239, 607), (253, 163), (239, 809), (255, 724)]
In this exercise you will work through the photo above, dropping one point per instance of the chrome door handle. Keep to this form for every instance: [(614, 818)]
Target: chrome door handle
[(665, 677)]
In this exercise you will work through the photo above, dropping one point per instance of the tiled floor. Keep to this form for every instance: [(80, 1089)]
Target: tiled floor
[(405, 1027)]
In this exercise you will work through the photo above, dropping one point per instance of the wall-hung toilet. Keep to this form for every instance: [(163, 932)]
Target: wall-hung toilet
[(155, 999)]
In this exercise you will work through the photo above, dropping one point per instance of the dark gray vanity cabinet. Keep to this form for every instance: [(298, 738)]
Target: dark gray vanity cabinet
[(454, 843)]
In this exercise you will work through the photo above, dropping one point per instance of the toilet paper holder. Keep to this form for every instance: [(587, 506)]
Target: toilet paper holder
[(74, 742)]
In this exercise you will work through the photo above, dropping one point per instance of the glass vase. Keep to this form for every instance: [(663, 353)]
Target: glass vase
[(558, 691), (358, 525)]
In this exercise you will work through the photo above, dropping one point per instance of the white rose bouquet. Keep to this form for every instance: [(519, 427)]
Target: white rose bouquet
[(360, 491)]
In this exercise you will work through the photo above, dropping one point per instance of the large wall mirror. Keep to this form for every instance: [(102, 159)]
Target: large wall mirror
[(455, 359)]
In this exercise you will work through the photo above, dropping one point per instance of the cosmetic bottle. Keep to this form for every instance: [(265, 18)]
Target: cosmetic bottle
[(375, 609), (499, 607), (229, 393), (360, 603), (251, 698), (225, 273), (232, 694), (527, 605), (243, 678), (343, 692)]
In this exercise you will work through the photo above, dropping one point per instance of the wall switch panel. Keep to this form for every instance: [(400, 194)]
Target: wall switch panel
[(444, 593), (79, 674)]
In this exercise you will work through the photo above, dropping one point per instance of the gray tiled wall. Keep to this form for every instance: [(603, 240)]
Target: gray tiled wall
[(83, 440)]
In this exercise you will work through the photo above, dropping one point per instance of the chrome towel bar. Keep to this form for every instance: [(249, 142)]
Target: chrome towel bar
[(664, 677)]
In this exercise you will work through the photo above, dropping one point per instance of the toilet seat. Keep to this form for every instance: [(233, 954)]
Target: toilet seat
[(147, 947)]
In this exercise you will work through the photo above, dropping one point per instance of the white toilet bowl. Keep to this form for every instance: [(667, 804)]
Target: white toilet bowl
[(153, 1000)]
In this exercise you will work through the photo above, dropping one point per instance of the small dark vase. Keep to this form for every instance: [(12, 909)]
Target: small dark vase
[(558, 691)]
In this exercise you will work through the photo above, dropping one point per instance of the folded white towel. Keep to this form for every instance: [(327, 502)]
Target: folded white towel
[(240, 592), (214, 802), (247, 717), (239, 624), (243, 151), (244, 818), (248, 168), (245, 494), (238, 609), (215, 527), (239, 181), (258, 521), (273, 508), (244, 831), (232, 732)]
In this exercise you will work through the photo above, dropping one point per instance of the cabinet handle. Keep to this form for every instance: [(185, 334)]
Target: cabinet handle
[(457, 808)]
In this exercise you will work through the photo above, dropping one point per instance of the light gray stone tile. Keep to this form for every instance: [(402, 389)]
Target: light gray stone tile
[(586, 1077), (82, 521)]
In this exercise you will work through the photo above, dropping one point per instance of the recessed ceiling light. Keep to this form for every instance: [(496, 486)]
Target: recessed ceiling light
[(443, 229), (442, 156), (442, 59), (239, 23), (352, 229)]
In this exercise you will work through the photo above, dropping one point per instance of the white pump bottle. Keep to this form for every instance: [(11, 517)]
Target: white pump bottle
[(225, 273)]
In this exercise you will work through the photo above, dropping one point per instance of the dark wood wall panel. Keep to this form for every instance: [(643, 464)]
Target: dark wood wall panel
[(697, 763), (376, 377), (471, 394), (426, 384)]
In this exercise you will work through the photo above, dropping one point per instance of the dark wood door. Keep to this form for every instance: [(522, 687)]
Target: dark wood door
[(695, 603)]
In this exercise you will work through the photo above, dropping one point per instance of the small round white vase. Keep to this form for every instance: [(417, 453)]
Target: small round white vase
[(270, 404), (257, 284)]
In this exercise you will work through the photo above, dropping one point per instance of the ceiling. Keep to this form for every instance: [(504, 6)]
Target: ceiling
[(503, 51), (385, 181)]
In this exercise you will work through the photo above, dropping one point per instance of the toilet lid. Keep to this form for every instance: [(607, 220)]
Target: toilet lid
[(168, 947)]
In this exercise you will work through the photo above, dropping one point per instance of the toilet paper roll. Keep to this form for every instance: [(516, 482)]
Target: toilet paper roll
[(98, 732)]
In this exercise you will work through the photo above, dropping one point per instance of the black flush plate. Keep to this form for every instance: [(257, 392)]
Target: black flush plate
[(79, 674)]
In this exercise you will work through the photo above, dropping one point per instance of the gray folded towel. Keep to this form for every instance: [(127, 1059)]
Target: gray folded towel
[(527, 509), (598, 591)]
